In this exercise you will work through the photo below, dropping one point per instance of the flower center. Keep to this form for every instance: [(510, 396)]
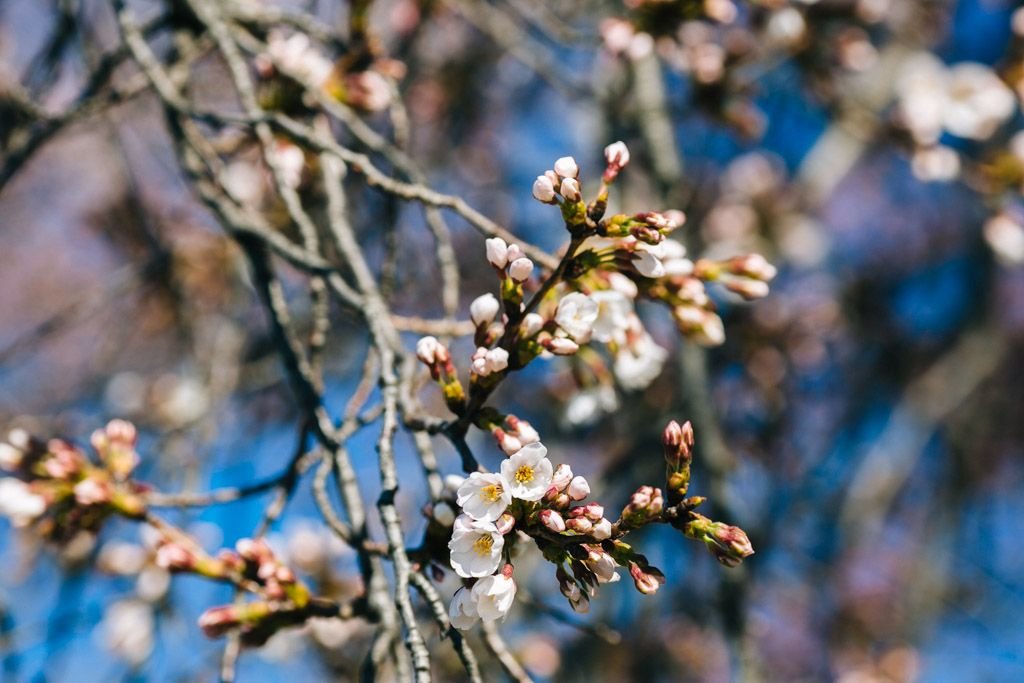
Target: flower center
[(524, 475), (491, 493), (483, 545)]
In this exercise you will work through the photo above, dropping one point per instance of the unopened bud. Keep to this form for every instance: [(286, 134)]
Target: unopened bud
[(580, 525), (444, 514), (508, 443), (520, 269), (217, 621), (570, 189), (426, 350), (602, 530), (544, 190), (561, 477), (561, 346), (505, 523), (753, 266), (497, 252), (91, 492), (531, 325), (566, 167), (617, 155), (647, 580), (174, 557), (578, 488), (552, 520), (484, 309)]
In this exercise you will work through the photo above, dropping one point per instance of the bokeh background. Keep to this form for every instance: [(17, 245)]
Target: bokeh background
[(864, 423)]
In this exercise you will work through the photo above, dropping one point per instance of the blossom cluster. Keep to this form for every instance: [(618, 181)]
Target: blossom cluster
[(530, 499)]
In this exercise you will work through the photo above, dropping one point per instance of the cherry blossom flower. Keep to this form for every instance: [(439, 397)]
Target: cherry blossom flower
[(639, 362), (475, 547), (613, 311), (576, 315), (494, 596), (462, 610), (18, 503), (484, 496), (528, 472)]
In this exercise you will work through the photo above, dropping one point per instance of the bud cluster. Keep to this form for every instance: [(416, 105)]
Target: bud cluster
[(56, 487)]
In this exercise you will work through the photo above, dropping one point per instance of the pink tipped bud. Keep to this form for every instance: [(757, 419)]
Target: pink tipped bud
[(426, 350), (570, 189), (217, 621), (520, 269), (593, 511), (552, 520), (508, 443), (561, 346), (91, 492), (562, 476), (648, 580), (566, 167), (678, 443), (617, 154), (578, 488), (505, 523), (581, 525), (544, 190), (753, 266), (174, 557), (750, 290), (523, 429), (497, 252)]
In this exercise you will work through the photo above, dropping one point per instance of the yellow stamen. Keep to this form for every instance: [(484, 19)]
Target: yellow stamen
[(524, 475), (491, 493), (482, 546)]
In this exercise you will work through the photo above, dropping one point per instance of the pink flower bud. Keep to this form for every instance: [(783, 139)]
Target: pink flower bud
[(566, 167), (426, 350), (514, 252), (617, 154), (520, 269), (648, 580), (552, 520), (561, 477), (580, 525), (578, 488), (174, 557), (593, 511), (507, 442), (570, 189), (561, 346), (217, 621), (497, 252), (91, 492), (544, 190), (748, 289), (505, 523)]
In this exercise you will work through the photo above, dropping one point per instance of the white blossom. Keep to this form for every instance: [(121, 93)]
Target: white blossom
[(576, 315), (566, 167), (127, 630), (298, 58), (543, 189), (977, 101), (613, 311), (494, 596), (586, 406), (18, 503), (639, 362), (484, 309), (475, 546), (10, 457), (462, 610), (520, 269), (484, 496), (528, 472), (497, 252), (646, 263)]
